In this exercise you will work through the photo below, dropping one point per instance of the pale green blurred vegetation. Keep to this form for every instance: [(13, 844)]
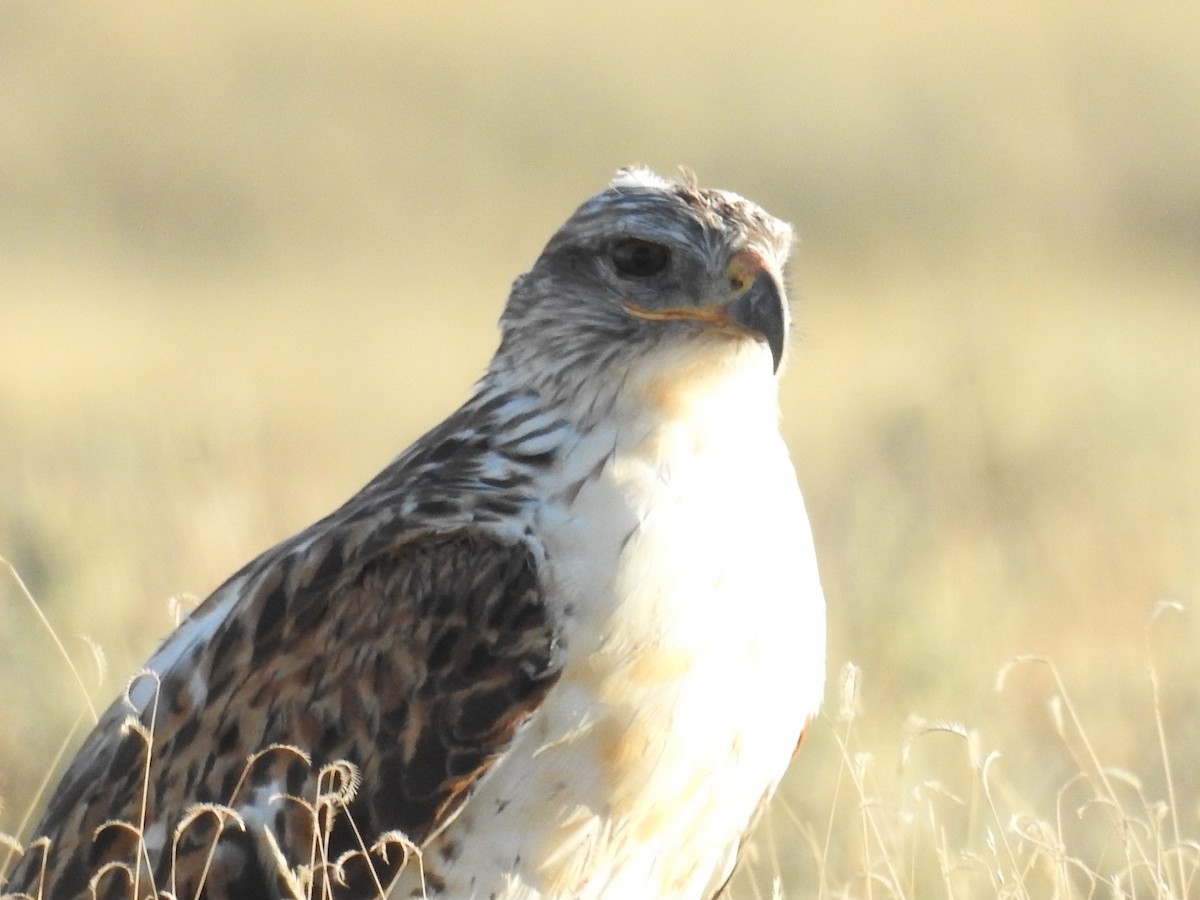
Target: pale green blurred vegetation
[(248, 251)]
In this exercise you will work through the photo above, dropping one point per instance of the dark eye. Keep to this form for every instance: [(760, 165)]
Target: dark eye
[(636, 258)]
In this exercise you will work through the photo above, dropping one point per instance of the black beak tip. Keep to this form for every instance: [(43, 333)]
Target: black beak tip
[(776, 354)]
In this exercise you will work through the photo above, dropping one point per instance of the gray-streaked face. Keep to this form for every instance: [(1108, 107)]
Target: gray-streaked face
[(648, 261)]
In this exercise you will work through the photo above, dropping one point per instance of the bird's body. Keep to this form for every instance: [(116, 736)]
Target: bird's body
[(626, 779), (567, 642)]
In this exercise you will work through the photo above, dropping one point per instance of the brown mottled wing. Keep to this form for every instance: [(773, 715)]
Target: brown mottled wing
[(414, 662)]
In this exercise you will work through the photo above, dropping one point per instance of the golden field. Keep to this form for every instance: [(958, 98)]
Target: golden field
[(248, 252)]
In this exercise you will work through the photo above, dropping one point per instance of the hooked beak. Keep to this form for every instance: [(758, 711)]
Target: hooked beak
[(755, 306)]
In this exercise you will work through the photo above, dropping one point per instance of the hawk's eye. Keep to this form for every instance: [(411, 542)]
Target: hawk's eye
[(636, 258)]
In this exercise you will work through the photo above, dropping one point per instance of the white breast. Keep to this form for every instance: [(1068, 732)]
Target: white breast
[(679, 554)]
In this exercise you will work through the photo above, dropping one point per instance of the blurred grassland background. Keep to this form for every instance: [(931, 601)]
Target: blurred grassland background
[(249, 251)]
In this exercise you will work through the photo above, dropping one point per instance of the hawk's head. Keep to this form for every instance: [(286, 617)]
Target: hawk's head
[(647, 264)]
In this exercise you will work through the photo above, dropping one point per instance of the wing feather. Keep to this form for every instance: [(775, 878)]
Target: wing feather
[(346, 696)]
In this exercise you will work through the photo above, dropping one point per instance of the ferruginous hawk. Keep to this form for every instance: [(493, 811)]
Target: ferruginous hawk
[(564, 646)]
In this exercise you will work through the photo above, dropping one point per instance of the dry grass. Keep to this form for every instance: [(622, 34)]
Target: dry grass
[(950, 820), (957, 816), (248, 253)]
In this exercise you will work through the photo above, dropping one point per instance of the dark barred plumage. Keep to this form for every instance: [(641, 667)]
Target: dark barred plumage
[(396, 624)]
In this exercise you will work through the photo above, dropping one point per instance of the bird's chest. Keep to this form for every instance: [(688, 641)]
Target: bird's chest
[(675, 558), (692, 651)]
